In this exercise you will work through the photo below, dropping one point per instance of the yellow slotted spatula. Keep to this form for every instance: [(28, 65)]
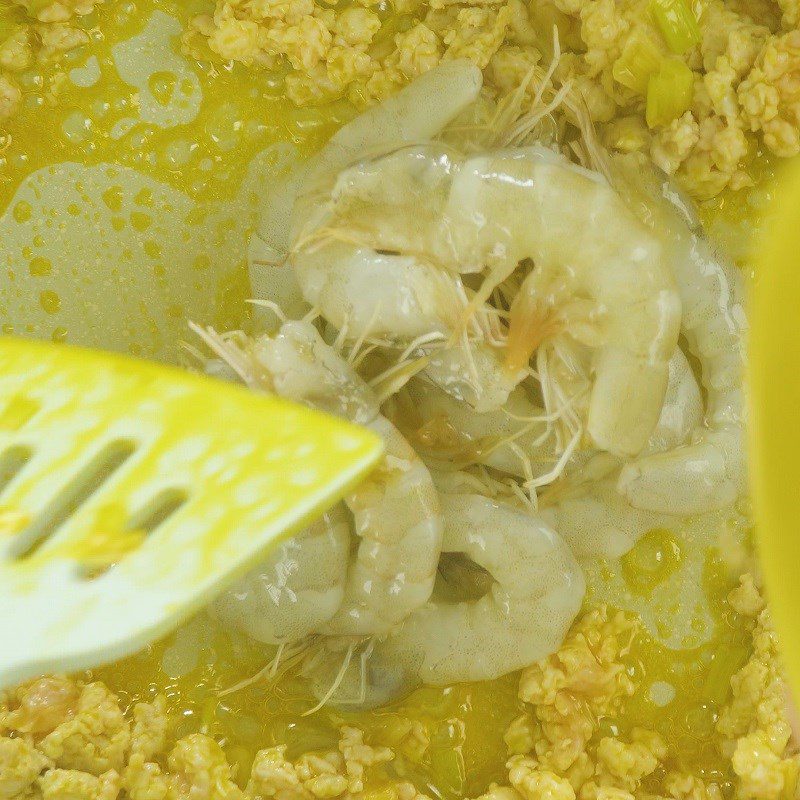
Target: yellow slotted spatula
[(130, 491), (774, 380)]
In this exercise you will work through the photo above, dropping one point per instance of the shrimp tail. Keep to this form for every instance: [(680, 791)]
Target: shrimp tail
[(529, 326)]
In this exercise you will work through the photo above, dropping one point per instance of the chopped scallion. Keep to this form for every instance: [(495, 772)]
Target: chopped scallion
[(669, 92), (677, 23)]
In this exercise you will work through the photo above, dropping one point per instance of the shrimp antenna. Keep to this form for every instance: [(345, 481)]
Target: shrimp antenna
[(231, 354), (271, 305), (359, 342), (396, 377), (515, 131), (270, 670), (357, 361), (497, 274), (337, 681), (341, 336), (363, 659), (558, 469), (193, 352), (392, 380), (311, 315)]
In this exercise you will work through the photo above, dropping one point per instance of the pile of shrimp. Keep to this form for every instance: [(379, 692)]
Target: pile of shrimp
[(549, 348)]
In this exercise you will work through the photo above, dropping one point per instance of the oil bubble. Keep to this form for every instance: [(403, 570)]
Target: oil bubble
[(40, 267), (50, 302)]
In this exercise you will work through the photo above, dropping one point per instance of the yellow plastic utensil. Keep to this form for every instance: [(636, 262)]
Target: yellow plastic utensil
[(130, 491), (774, 381)]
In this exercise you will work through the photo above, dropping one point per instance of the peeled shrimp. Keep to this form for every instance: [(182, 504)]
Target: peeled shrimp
[(359, 290), (535, 592), (415, 114), (595, 518), (395, 510), (599, 277), (709, 473), (300, 585), (297, 589), (508, 439), (372, 287)]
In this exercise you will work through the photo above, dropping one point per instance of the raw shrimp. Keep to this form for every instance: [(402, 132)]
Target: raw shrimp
[(536, 588), (594, 517), (395, 511), (300, 585), (415, 114), (710, 472), (509, 439), (382, 287), (370, 287), (297, 589), (536, 592), (599, 277)]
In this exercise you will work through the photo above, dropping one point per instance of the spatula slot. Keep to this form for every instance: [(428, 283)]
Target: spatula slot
[(145, 521), (17, 412), (158, 510), (12, 461), (72, 496)]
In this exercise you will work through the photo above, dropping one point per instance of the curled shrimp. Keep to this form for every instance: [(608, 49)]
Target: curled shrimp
[(296, 589), (380, 288), (599, 277), (383, 286), (709, 472), (299, 586), (594, 517), (392, 237), (395, 510), (534, 589)]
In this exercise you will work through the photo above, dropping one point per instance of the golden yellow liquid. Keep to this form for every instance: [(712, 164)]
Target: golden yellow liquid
[(466, 722), (242, 113)]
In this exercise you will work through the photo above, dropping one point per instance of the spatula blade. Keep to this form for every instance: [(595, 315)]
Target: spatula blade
[(181, 480)]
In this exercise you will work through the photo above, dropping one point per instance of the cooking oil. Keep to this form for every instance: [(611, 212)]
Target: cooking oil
[(193, 131)]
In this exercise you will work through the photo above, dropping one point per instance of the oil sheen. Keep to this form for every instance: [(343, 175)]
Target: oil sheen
[(129, 183)]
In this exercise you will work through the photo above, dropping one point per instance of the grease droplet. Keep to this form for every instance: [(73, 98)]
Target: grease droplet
[(141, 222), (162, 85), (22, 211), (50, 302), (40, 267), (152, 249), (113, 199)]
